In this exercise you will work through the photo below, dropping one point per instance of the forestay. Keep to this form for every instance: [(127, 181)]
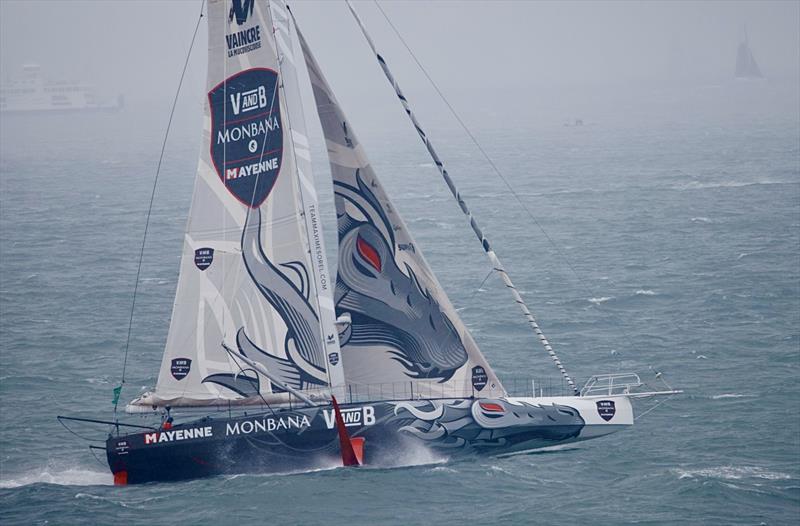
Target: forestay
[(253, 276), (404, 332)]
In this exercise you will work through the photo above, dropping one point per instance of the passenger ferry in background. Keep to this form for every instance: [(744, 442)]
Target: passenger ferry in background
[(31, 93)]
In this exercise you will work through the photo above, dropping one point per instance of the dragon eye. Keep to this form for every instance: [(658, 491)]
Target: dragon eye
[(369, 253), (490, 407)]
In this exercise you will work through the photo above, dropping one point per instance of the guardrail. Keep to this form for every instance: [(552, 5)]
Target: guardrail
[(611, 384), (515, 386)]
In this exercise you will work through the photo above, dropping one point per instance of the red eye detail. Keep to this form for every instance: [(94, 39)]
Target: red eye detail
[(491, 408), (369, 253)]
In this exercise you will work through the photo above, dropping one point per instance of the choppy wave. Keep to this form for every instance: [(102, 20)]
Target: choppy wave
[(67, 477), (731, 473)]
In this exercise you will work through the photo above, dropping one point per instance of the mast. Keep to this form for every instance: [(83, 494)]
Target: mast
[(487, 248), (283, 36)]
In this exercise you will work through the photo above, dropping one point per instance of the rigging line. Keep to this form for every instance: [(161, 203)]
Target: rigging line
[(104, 464), (99, 441), (497, 171), (152, 198), (480, 286), (490, 253)]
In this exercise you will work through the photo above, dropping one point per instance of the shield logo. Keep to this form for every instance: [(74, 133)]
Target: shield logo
[(333, 358), (606, 409), (479, 377), (180, 368), (247, 134), (203, 257)]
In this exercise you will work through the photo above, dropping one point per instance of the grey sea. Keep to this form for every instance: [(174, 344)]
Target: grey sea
[(672, 245)]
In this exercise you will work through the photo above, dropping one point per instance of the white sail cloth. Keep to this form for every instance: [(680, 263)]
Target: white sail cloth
[(404, 330), (253, 275)]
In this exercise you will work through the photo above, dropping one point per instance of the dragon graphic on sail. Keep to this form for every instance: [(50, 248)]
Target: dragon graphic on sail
[(304, 365), (402, 326), (388, 306)]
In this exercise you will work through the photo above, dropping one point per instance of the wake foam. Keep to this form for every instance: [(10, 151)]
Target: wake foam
[(67, 477)]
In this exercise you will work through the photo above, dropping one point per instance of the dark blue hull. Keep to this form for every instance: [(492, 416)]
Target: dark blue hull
[(285, 441)]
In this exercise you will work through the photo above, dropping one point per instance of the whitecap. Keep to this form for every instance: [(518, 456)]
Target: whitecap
[(701, 357), (598, 301), (645, 292), (732, 473), (700, 220), (730, 395)]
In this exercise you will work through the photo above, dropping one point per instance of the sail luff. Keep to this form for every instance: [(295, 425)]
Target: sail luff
[(496, 264)]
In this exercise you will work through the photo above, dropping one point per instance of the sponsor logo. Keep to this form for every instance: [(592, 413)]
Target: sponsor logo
[(358, 416), (247, 134), (479, 377), (407, 246), (180, 368), (177, 434), (122, 447), (606, 409), (243, 41), (319, 253), (203, 257), (333, 358), (267, 425), (241, 9)]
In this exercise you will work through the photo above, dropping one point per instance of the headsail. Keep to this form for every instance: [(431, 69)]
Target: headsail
[(253, 277), (404, 333)]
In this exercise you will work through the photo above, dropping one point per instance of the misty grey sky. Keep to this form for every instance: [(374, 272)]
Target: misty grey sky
[(528, 50)]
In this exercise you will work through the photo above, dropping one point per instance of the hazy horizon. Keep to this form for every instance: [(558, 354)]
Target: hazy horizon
[(529, 61)]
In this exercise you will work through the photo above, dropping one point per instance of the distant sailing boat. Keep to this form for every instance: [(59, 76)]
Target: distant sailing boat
[(262, 344), (746, 65)]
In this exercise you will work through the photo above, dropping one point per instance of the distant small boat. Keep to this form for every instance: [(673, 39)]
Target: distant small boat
[(746, 65), (31, 93)]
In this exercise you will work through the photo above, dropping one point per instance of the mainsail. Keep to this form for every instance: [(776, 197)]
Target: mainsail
[(404, 333), (253, 276)]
